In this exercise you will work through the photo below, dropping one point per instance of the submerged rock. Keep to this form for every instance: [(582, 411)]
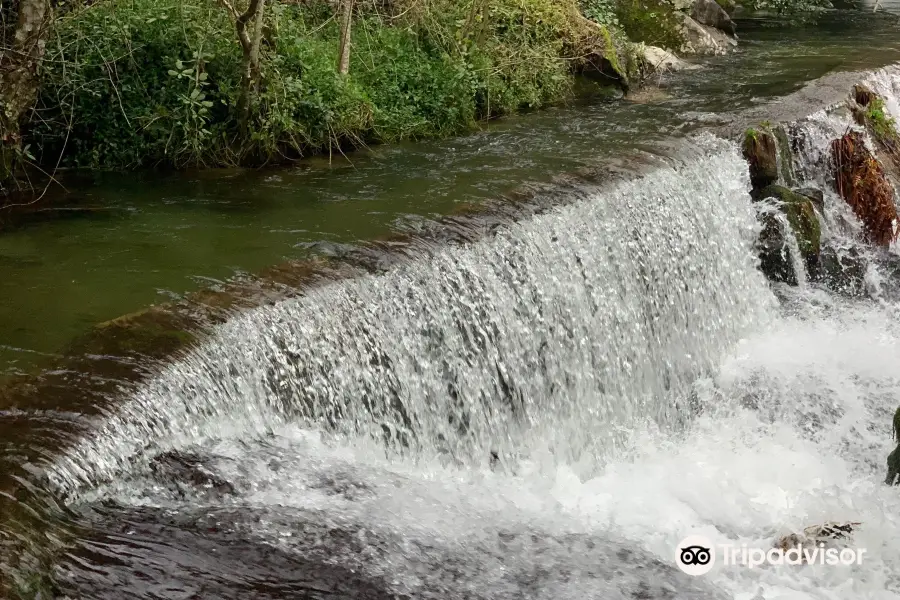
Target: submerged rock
[(842, 271), (657, 60), (828, 535), (801, 215), (647, 95), (760, 149), (187, 470), (861, 181)]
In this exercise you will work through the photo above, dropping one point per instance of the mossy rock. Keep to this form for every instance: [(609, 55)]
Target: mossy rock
[(784, 159), (760, 149), (606, 53), (654, 22), (801, 215)]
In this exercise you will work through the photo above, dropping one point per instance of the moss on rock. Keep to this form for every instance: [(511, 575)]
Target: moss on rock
[(760, 149), (801, 215)]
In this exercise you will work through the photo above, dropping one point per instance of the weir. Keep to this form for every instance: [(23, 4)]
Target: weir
[(543, 413), (597, 315)]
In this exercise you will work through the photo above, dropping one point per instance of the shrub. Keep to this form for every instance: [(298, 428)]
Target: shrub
[(132, 83), (654, 22)]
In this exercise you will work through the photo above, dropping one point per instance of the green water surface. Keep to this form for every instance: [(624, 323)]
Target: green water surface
[(153, 237)]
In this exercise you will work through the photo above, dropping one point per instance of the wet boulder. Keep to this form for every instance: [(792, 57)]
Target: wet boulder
[(656, 60), (888, 265), (711, 14), (186, 470), (774, 260), (705, 40), (760, 150), (893, 460), (816, 196), (801, 215), (863, 95), (861, 181), (842, 270)]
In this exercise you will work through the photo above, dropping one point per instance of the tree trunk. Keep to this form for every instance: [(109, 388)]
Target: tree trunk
[(344, 64), (19, 83), (254, 49), (250, 47)]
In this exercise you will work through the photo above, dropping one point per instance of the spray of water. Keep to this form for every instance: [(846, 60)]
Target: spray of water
[(571, 345), (599, 314)]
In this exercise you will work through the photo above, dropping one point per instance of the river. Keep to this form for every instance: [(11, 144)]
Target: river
[(542, 413)]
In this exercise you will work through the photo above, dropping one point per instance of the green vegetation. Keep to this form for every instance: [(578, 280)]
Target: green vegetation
[(121, 84), (654, 22), (131, 83), (882, 125)]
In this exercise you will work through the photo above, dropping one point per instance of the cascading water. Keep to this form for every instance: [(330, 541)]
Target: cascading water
[(598, 315), (622, 359)]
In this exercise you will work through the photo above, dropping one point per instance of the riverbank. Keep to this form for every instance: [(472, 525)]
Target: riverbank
[(131, 85)]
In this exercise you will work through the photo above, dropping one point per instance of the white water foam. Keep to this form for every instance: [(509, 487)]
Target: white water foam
[(794, 425), (600, 313), (795, 432)]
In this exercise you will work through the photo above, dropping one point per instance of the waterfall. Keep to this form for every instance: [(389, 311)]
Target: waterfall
[(560, 330), (546, 412)]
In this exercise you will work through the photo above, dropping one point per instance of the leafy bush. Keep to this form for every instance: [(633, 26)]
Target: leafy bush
[(131, 83), (600, 11), (654, 22)]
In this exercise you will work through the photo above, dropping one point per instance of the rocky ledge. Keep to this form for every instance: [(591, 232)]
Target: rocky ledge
[(707, 30), (861, 162)]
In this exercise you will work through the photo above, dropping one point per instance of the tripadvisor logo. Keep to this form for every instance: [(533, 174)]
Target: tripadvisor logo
[(696, 555)]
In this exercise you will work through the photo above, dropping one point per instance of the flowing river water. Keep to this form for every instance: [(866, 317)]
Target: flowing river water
[(542, 413)]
